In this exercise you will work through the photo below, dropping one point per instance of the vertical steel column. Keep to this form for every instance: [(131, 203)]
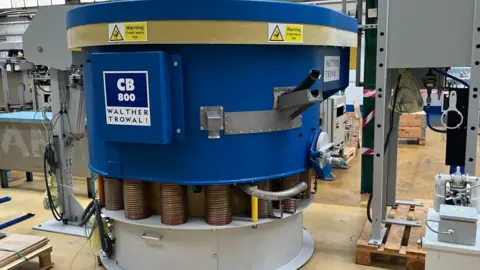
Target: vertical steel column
[(6, 94), (69, 206), (381, 109), (473, 101), (369, 101)]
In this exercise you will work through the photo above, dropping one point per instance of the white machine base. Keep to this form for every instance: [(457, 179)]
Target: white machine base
[(58, 227), (447, 256), (280, 244)]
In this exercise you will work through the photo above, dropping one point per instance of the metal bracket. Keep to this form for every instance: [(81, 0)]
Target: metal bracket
[(368, 26), (410, 203), (378, 241), (211, 119), (413, 223)]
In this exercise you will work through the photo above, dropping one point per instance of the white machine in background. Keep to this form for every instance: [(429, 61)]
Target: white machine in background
[(332, 113)]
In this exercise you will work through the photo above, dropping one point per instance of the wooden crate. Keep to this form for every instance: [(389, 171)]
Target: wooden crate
[(399, 241), (349, 154)]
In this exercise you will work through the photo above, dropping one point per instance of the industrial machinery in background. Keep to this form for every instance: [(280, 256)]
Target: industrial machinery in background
[(451, 240), (200, 151), (332, 122)]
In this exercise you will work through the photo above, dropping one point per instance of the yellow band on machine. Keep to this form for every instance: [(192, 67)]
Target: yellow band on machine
[(254, 209), (208, 32)]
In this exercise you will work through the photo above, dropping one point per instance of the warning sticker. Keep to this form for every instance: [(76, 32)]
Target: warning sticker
[(127, 32), (287, 33), (127, 100), (331, 69)]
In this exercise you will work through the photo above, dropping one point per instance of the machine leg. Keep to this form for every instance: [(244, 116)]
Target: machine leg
[(4, 178), (29, 176)]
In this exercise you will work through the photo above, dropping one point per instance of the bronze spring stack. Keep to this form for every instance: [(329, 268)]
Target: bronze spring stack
[(264, 206), (174, 204), (289, 205), (113, 194), (307, 178), (218, 205), (135, 200)]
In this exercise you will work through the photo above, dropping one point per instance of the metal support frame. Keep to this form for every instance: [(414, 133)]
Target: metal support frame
[(68, 204), (6, 94), (473, 105), (384, 177)]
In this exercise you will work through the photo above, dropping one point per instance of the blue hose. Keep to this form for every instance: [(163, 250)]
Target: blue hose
[(430, 124), (451, 77)]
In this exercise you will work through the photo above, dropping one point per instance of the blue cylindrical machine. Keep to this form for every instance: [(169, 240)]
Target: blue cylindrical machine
[(207, 95)]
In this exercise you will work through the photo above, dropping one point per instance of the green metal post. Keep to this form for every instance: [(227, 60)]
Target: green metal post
[(369, 102)]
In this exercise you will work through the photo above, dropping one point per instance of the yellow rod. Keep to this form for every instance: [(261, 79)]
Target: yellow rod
[(254, 208)]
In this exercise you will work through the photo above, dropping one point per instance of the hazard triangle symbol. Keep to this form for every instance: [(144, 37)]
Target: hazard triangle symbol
[(276, 34), (116, 35)]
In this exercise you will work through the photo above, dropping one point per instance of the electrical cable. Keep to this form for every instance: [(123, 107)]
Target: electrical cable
[(446, 75), (449, 232), (49, 158), (369, 205), (429, 124), (392, 113)]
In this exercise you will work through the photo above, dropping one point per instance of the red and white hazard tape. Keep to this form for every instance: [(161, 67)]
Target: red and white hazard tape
[(367, 151), (368, 119), (368, 93)]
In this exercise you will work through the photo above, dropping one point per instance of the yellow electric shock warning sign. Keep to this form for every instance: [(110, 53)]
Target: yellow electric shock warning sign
[(285, 33), (276, 34), (116, 35), (127, 32)]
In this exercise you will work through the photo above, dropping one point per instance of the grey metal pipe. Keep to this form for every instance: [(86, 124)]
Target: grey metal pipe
[(274, 195)]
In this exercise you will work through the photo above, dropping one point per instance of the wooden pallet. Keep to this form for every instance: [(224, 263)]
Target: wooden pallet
[(349, 154), (419, 141), (30, 246), (44, 255), (399, 241)]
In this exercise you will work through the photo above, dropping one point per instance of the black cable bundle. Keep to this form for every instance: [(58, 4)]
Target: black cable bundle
[(49, 158)]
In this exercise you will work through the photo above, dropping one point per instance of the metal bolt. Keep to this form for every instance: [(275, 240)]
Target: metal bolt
[(179, 130), (40, 49), (221, 127), (214, 256), (175, 64), (251, 131), (201, 108), (221, 108), (261, 130), (269, 129), (201, 128)]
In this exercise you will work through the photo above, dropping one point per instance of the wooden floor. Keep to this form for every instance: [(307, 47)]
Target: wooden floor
[(335, 219)]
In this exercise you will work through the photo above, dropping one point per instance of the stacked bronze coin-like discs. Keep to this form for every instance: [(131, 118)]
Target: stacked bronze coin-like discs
[(218, 205), (264, 206), (135, 200), (307, 178), (290, 205), (174, 204), (113, 194)]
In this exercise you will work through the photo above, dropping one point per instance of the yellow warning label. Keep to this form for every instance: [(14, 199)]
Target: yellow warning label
[(293, 33), (116, 35), (285, 33), (276, 34), (127, 32)]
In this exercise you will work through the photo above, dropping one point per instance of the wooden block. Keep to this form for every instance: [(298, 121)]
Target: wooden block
[(411, 120), (356, 109), (416, 233), (415, 263), (395, 236), (40, 252), (421, 141), (410, 132), (363, 257)]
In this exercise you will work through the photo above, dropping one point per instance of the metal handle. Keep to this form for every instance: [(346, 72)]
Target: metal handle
[(146, 237)]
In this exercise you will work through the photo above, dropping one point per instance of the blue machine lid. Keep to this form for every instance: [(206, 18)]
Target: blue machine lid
[(234, 10)]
